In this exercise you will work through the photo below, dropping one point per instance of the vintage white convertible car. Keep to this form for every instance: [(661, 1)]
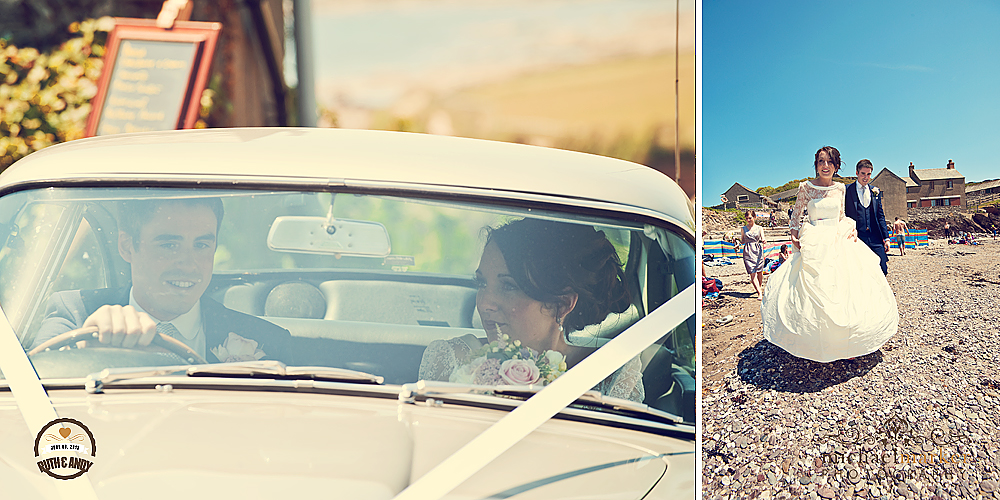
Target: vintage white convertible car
[(339, 257)]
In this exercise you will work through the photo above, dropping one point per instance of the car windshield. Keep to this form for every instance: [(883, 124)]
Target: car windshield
[(403, 288)]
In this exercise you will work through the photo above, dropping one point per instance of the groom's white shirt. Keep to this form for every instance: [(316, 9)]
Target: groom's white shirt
[(864, 194)]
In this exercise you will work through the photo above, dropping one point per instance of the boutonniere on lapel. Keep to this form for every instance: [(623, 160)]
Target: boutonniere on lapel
[(237, 348), (876, 191)]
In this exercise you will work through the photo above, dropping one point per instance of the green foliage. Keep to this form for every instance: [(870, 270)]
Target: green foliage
[(768, 190), (45, 97), (972, 184), (740, 215), (42, 23)]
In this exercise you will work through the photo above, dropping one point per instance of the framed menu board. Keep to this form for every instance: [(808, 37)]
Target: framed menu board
[(153, 77)]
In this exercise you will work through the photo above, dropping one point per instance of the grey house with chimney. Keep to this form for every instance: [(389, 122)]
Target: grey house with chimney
[(935, 187)]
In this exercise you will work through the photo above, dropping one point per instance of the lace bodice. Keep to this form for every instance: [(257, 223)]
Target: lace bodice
[(442, 357), (823, 202)]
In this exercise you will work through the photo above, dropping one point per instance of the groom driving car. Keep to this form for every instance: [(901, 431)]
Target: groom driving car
[(863, 204), (170, 245)]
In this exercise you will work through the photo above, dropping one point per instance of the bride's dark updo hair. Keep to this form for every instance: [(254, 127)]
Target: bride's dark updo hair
[(550, 259), (832, 153)]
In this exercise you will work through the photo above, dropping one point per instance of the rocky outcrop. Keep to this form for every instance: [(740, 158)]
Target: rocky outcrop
[(934, 218)]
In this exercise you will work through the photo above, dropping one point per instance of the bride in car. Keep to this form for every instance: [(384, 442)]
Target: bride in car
[(538, 282)]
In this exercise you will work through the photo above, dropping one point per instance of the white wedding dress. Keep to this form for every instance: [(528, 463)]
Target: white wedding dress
[(830, 300), (442, 357)]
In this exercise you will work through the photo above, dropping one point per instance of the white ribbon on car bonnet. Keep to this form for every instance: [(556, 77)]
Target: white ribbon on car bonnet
[(527, 417), (33, 402)]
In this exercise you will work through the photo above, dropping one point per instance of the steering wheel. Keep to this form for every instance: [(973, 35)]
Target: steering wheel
[(159, 340)]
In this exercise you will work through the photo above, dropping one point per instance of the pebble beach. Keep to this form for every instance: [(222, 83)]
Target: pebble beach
[(919, 418)]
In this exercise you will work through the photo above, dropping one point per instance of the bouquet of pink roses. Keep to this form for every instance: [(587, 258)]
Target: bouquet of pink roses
[(506, 362)]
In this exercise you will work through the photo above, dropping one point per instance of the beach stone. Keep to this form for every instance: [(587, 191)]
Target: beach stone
[(988, 486), (854, 476)]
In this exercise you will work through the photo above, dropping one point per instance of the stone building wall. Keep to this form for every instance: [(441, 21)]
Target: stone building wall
[(893, 196), (917, 215)]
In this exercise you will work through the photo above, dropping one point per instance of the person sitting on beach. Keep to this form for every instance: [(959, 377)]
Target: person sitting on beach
[(783, 255), (710, 287)]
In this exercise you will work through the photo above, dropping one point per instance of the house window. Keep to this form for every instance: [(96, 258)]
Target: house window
[(951, 184), (911, 190), (911, 204), (742, 197), (932, 185)]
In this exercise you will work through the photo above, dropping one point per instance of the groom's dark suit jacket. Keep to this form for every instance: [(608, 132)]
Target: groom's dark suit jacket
[(870, 222), (68, 310)]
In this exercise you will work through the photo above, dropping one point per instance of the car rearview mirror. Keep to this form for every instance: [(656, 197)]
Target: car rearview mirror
[(319, 235)]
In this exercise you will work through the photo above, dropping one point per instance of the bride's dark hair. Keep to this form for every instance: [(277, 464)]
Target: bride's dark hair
[(550, 259), (832, 153)]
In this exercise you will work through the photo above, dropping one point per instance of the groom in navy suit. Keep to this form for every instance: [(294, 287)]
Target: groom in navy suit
[(864, 205)]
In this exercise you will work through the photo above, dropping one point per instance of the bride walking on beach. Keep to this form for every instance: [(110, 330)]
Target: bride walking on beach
[(830, 300)]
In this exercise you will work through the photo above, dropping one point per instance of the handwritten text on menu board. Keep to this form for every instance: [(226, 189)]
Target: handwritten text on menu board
[(148, 85)]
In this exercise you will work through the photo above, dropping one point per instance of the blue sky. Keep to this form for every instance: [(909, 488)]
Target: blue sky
[(894, 81)]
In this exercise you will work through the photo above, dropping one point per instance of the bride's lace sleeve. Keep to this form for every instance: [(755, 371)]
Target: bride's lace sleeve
[(441, 357), (801, 200), (625, 383)]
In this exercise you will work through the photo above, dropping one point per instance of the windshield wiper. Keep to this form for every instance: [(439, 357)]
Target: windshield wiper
[(278, 370), (409, 393), (269, 369), (95, 381)]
